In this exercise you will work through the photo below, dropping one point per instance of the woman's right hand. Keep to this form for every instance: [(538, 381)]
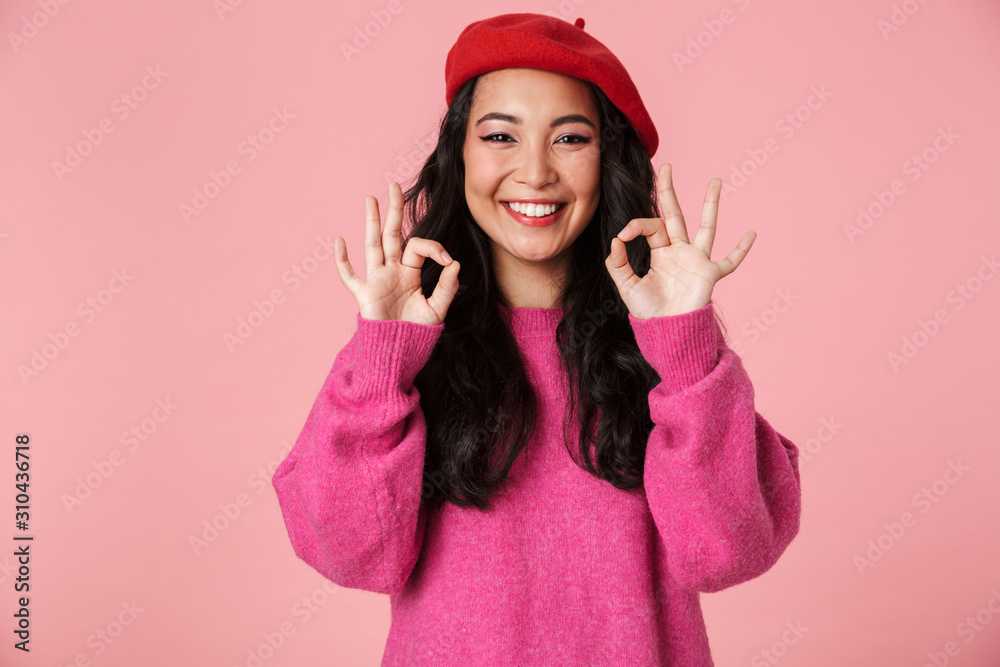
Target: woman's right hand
[(392, 288)]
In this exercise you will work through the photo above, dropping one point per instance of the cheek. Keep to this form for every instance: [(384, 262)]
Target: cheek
[(587, 176), (481, 174)]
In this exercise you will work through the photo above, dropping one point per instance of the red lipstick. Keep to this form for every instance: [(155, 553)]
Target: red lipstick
[(535, 221)]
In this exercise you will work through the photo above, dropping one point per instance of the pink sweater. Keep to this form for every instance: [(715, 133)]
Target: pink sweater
[(567, 569)]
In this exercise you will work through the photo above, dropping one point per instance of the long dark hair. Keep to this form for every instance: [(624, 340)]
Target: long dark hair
[(474, 392)]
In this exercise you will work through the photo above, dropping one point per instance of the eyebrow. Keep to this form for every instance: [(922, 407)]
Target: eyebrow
[(562, 120)]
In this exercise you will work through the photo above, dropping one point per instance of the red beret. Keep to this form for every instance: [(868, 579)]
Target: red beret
[(544, 42)]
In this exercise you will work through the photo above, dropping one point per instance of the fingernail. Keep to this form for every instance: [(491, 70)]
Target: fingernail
[(445, 256)]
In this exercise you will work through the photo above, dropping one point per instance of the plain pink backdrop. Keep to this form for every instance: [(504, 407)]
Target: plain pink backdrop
[(815, 312)]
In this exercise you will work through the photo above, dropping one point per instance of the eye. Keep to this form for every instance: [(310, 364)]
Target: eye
[(492, 140), (576, 138)]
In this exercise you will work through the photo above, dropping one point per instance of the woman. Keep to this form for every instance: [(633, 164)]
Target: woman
[(547, 459)]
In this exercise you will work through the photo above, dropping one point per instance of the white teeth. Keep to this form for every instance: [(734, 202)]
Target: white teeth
[(534, 210)]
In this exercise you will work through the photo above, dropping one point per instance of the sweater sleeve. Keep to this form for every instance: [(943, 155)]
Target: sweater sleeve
[(722, 484), (350, 488)]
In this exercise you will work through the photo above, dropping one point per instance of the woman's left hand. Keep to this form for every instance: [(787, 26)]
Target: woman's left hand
[(681, 275)]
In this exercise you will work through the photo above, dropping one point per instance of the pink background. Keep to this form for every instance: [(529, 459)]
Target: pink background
[(820, 357)]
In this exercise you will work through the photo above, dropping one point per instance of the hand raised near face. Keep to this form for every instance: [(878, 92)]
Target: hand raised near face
[(391, 289), (682, 275)]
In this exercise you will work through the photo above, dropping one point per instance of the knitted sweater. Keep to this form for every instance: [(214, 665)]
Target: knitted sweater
[(565, 569)]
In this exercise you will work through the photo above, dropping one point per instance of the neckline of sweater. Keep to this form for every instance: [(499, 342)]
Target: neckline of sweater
[(533, 320)]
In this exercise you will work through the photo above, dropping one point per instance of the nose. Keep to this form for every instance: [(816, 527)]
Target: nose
[(535, 168)]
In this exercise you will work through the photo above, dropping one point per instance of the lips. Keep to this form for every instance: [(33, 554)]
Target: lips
[(532, 221), (524, 204)]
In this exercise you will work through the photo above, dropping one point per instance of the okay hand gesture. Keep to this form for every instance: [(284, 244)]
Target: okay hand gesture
[(391, 289), (681, 275)]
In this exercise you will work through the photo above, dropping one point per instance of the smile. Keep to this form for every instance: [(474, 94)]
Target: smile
[(528, 213)]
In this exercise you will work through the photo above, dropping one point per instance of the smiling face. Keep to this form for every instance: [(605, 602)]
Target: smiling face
[(532, 135)]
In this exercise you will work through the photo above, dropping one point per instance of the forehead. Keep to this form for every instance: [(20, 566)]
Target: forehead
[(534, 89)]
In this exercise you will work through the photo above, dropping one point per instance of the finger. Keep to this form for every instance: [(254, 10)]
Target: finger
[(705, 236), (617, 264), (347, 275), (391, 242), (373, 237), (418, 248), (652, 228), (669, 206), (729, 263), (445, 290)]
